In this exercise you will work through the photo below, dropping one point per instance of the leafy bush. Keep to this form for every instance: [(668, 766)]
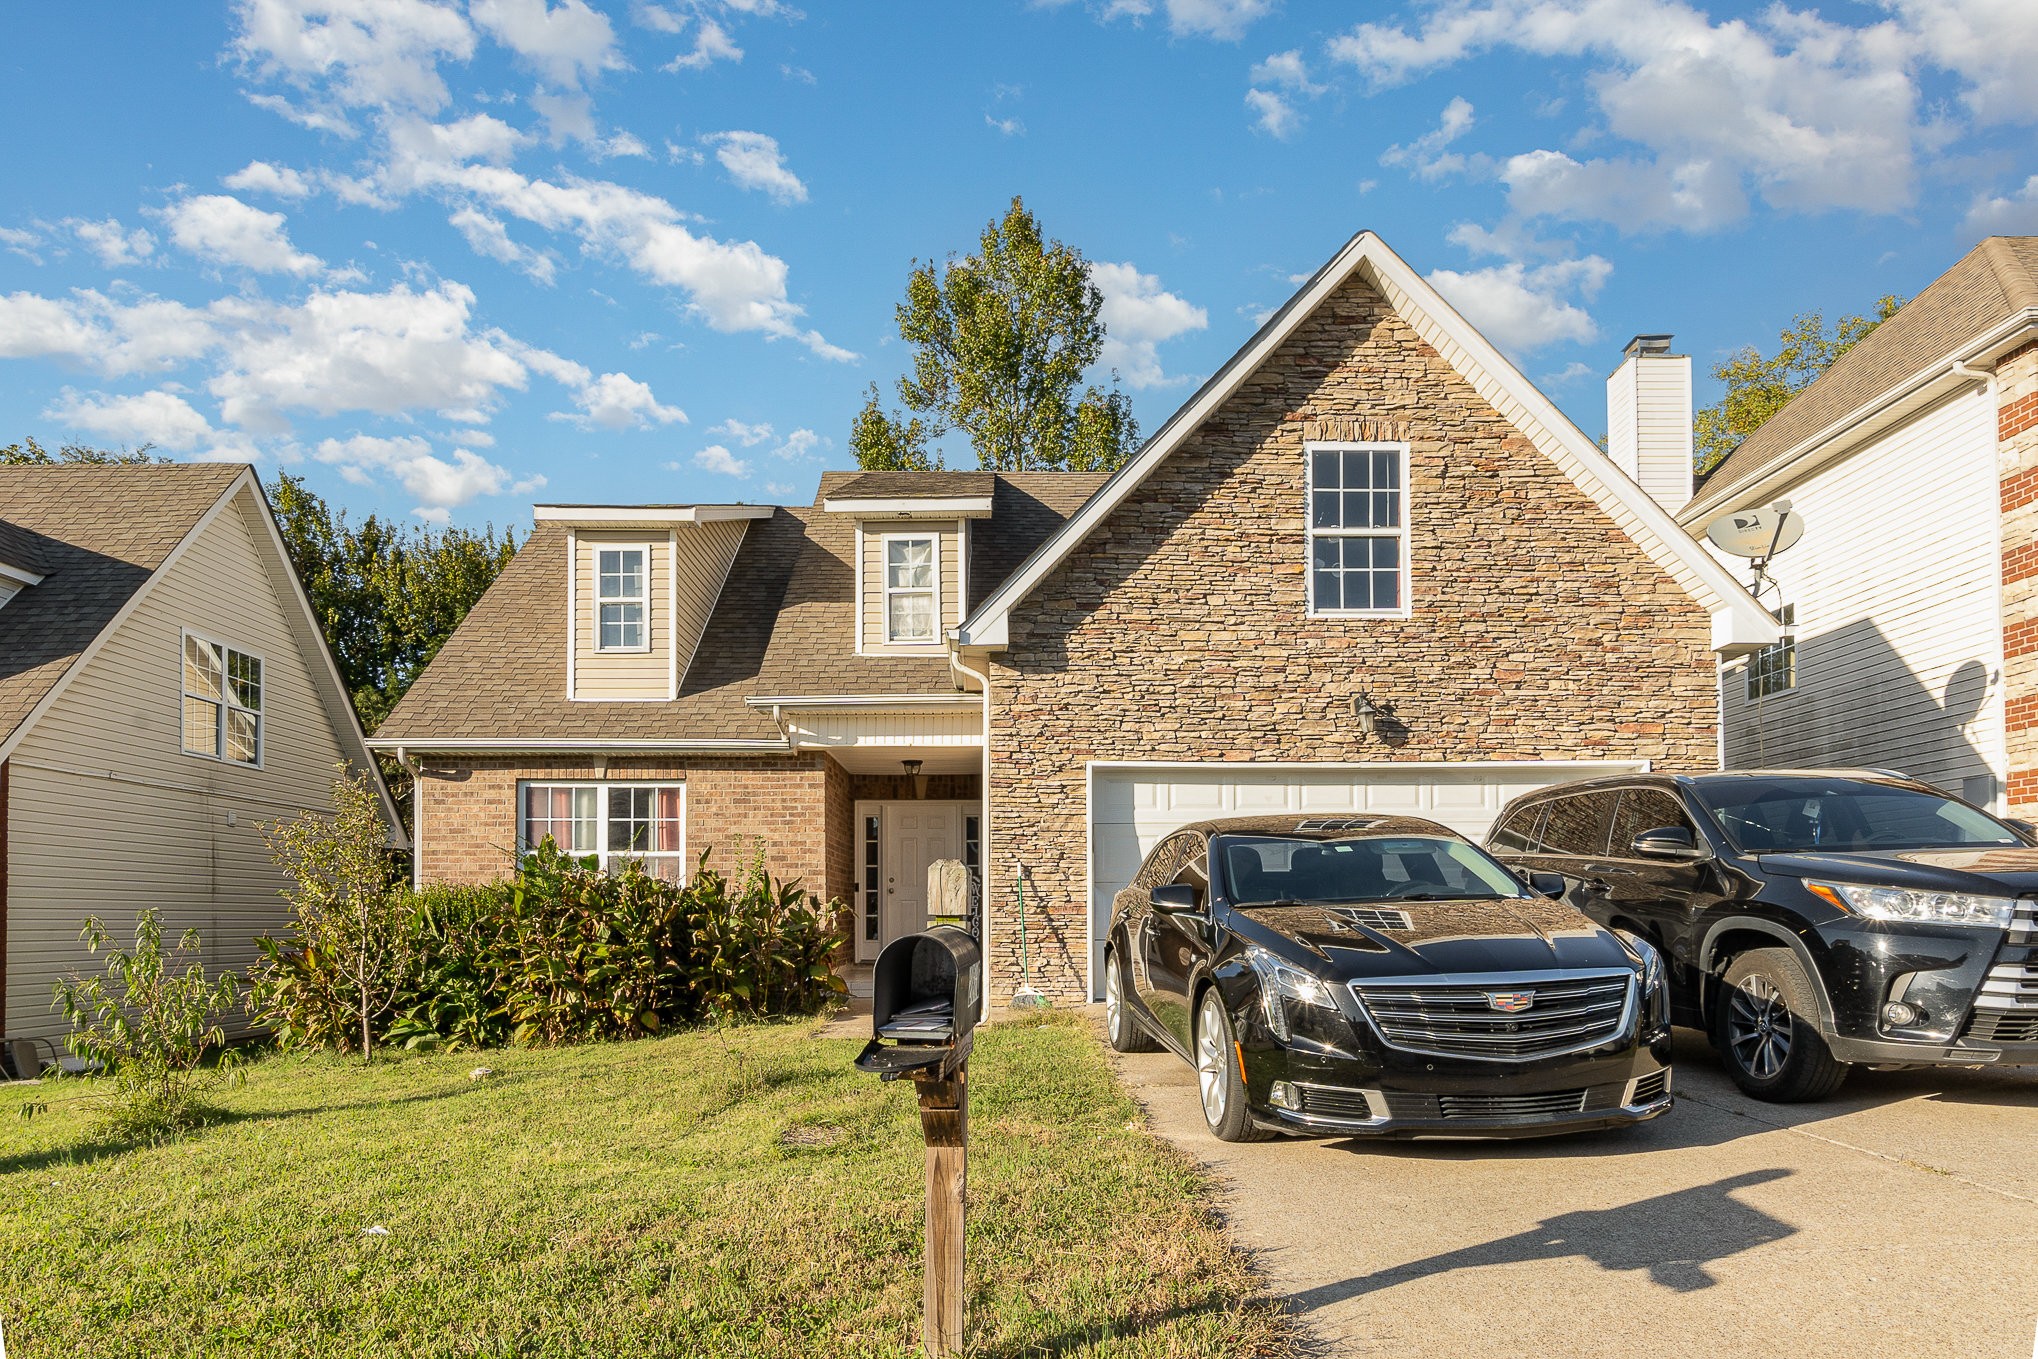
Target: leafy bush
[(152, 1029), (760, 946), (451, 998)]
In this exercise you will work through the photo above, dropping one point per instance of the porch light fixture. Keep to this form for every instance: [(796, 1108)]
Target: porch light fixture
[(919, 779), (1366, 712)]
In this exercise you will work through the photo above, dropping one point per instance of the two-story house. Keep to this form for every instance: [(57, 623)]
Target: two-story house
[(1367, 510), (1911, 601), (164, 693)]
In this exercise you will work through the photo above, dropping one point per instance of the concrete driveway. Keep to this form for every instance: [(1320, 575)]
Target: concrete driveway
[(1900, 1219)]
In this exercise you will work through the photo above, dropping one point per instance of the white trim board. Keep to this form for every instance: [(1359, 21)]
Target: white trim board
[(1738, 622), (608, 516)]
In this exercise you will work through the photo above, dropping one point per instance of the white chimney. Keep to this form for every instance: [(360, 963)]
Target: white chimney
[(1648, 419)]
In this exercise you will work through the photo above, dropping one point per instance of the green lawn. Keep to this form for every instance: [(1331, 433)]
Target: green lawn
[(740, 1192)]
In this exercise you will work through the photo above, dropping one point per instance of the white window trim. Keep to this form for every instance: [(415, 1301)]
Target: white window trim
[(642, 601), (884, 566), (1788, 639), (218, 754), (601, 802), (1310, 533)]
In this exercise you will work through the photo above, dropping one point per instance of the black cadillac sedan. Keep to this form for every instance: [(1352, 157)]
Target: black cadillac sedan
[(1382, 976)]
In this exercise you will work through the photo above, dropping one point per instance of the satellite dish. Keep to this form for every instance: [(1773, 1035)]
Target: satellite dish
[(1758, 533)]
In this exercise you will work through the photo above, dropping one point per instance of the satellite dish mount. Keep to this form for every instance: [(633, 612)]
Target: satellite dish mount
[(1758, 535)]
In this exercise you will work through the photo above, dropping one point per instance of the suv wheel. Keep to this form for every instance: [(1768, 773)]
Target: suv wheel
[(1767, 1029), (1120, 1027), (1217, 1078)]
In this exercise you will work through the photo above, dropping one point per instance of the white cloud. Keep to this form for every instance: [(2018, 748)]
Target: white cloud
[(1272, 113), (114, 244), (801, 445), (566, 43), (618, 401), (2011, 214), (1139, 316), (366, 52), (1524, 307), (161, 418), (747, 435), (22, 242), (480, 136), (1426, 155), (1992, 45), (711, 43), (488, 236), (437, 483), (315, 119), (1225, 20), (779, 490), (715, 458), (259, 176), (657, 17), (753, 161), (222, 228), (1286, 70), (91, 330), (1010, 127)]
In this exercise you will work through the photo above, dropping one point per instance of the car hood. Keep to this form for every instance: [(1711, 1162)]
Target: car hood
[(1989, 870), (1390, 939)]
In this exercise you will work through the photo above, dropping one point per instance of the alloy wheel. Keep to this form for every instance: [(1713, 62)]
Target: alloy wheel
[(1211, 1073), (1759, 1027), (1114, 1001)]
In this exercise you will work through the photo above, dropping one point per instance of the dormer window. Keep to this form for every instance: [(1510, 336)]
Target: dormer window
[(912, 587), (621, 572)]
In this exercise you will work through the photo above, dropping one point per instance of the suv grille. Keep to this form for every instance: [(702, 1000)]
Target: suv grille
[(1651, 1087), (1569, 1013), (2024, 925), (2003, 1026), (2010, 986)]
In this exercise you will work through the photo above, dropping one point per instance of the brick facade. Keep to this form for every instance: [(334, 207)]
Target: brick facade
[(1178, 631), (796, 807), (2017, 468)]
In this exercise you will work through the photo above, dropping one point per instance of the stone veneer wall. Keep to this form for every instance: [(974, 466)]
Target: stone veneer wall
[(2017, 466), (1179, 631), (798, 807)]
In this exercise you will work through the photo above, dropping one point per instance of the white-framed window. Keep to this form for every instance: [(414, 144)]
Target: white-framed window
[(222, 702), (1358, 529), (912, 586), (616, 823), (1773, 669), (620, 587)]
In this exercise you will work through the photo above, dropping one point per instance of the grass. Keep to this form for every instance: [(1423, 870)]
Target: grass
[(732, 1192)]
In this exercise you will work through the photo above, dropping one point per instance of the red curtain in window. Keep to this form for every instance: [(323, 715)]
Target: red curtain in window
[(665, 827)]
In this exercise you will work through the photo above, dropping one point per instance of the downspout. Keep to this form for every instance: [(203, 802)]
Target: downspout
[(1998, 699), (417, 817), (983, 679)]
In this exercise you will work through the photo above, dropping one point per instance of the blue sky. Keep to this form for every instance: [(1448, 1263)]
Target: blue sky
[(450, 257)]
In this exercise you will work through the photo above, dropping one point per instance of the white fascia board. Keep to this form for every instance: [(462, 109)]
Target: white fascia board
[(599, 516), (1619, 763), (19, 575), (1894, 404), (919, 507), (1736, 615), (548, 746), (958, 700)]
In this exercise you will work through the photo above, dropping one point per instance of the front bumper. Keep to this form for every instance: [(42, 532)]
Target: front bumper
[(1978, 994), (1376, 1112)]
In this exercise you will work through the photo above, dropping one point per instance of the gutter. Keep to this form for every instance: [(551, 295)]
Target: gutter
[(514, 746), (776, 702)]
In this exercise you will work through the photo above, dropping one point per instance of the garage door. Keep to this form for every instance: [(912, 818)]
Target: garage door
[(1133, 806)]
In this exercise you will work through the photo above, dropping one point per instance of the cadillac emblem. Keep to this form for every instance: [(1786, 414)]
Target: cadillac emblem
[(1510, 1002)]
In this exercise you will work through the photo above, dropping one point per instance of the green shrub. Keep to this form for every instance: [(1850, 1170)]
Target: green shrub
[(451, 999), (760, 946)]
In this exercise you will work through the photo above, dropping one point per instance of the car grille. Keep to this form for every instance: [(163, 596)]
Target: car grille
[(1542, 1104), (1651, 1087), (1569, 1013), (2010, 986), (2024, 925), (1325, 1101), (2003, 1026)]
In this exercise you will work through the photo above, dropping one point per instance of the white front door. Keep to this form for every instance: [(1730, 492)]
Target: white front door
[(915, 835)]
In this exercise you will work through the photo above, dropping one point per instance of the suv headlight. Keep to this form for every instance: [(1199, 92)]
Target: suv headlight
[(1282, 982), (1924, 908)]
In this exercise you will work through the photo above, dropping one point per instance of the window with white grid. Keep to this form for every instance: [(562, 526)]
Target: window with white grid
[(621, 590), (612, 823), (1358, 529), (222, 702)]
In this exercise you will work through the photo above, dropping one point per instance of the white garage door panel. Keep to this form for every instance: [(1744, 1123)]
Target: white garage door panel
[(1132, 807)]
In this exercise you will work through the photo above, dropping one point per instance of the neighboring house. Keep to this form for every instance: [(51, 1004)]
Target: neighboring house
[(1912, 600), (1366, 502), (164, 691)]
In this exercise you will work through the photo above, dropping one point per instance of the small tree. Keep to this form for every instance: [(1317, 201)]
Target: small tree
[(151, 1028), (1759, 385), (348, 908)]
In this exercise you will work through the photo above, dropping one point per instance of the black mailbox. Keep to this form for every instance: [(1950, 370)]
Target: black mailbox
[(923, 1010)]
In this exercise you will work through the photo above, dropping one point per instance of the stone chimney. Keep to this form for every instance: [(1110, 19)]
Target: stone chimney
[(1648, 419)]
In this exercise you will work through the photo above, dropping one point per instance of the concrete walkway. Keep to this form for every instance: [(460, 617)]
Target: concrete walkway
[(1898, 1219)]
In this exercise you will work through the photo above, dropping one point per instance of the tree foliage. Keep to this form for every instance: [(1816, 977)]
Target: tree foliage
[(1759, 385), (1001, 341), (29, 453)]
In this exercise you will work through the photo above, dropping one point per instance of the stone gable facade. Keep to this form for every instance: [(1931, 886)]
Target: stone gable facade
[(1179, 630)]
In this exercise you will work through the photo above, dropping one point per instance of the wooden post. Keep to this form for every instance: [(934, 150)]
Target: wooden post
[(944, 1121)]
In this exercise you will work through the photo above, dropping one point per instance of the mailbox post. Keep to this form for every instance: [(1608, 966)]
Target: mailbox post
[(924, 1002)]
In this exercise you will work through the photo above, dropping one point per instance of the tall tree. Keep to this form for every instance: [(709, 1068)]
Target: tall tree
[(1759, 385), (29, 453), (1001, 340)]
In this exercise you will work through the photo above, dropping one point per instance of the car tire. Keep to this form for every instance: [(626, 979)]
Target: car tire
[(1766, 1028), (1219, 1085), (1121, 1030)]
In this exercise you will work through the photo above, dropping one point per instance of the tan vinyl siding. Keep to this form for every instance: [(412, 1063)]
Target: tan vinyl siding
[(703, 556), (107, 815), (872, 641), (622, 674), (1899, 633)]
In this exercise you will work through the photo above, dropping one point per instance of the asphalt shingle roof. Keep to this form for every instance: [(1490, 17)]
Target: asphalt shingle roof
[(913, 485), (96, 534)]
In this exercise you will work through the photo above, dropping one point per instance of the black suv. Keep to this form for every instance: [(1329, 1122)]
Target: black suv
[(1811, 919)]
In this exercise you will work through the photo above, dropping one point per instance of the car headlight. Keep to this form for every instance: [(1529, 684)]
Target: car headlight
[(1924, 908), (1280, 983), (1655, 988)]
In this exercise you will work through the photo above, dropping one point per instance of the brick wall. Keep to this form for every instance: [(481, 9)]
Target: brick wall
[(797, 807), (2017, 467), (1178, 631)]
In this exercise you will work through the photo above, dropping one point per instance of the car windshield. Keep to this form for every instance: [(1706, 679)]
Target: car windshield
[(1795, 814), (1261, 870)]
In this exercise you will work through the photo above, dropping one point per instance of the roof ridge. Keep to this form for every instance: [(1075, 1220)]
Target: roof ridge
[(2016, 281)]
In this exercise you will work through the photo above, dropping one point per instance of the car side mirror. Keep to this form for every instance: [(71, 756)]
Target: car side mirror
[(1675, 843), (1175, 896), (1547, 884)]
